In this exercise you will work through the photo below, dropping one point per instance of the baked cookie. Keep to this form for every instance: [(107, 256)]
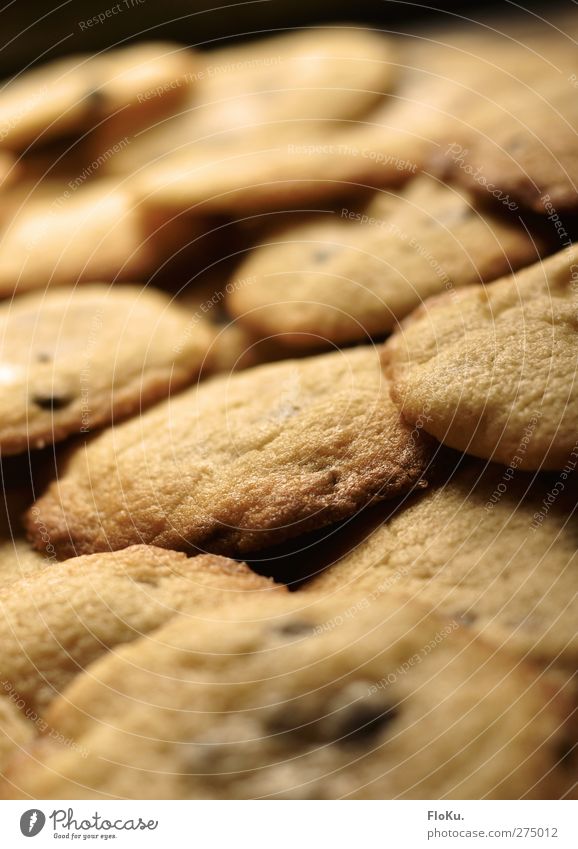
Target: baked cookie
[(16, 731), (131, 85), (280, 87), (56, 621), (239, 463), (529, 155), (62, 234), (496, 548), (75, 359), (353, 274), (492, 371), (303, 701)]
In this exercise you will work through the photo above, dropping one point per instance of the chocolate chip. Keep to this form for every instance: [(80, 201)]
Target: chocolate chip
[(294, 628), (322, 254), (95, 99), (363, 723), (52, 402)]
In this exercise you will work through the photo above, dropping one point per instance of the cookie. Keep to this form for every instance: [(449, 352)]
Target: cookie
[(65, 233), (58, 620), (240, 462), (306, 702), (130, 85), (16, 731), (354, 274), (76, 359), (492, 371), (283, 86), (531, 156), (494, 547), (8, 168)]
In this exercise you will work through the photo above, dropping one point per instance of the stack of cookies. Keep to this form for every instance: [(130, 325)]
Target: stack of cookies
[(288, 405)]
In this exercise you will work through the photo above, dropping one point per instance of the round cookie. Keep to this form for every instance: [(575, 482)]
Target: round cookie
[(75, 359), (79, 92), (492, 370), (302, 701), (58, 620), (531, 156), (239, 463), (59, 233), (354, 274), (496, 548)]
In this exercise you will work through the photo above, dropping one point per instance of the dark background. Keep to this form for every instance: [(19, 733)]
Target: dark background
[(31, 31)]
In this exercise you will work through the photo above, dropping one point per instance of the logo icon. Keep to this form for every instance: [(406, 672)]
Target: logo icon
[(32, 822)]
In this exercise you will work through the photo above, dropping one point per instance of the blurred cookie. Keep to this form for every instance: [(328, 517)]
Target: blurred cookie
[(55, 233), (305, 702), (284, 86), (15, 729), (75, 359), (239, 462), (492, 370), (56, 621), (496, 548), (130, 84), (354, 274), (528, 154)]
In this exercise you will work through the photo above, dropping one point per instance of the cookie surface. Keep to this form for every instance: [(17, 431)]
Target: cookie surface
[(239, 463), (58, 620), (496, 548), (81, 91), (316, 705), (75, 359), (282, 87), (531, 156), (492, 371), (354, 274)]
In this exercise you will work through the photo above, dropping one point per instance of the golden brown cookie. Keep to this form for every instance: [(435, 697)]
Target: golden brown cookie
[(60, 233), (58, 620), (529, 153), (492, 370), (354, 273), (239, 462), (303, 701), (75, 359), (279, 87), (495, 547), (16, 730), (128, 85)]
